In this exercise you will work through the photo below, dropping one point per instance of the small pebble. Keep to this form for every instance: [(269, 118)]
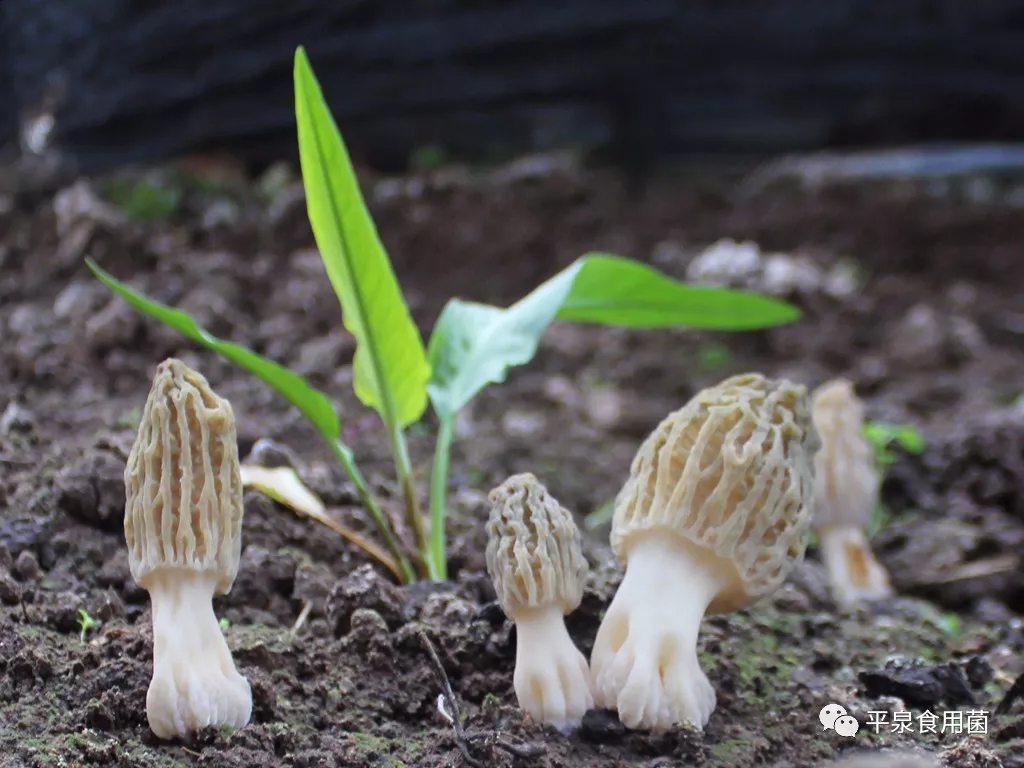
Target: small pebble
[(16, 418), (111, 607), (786, 275), (918, 341), (726, 262), (10, 592), (604, 407), (561, 390), (522, 423), (26, 567)]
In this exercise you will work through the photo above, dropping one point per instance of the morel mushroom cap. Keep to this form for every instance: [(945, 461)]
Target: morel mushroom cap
[(535, 560), (731, 473), (534, 552), (183, 480), (846, 482)]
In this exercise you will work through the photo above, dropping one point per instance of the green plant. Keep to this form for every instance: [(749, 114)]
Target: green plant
[(85, 623), (472, 345), (428, 158), (712, 356), (144, 199), (882, 435)]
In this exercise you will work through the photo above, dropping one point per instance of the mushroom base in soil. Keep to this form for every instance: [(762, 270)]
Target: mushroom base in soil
[(644, 663), (553, 686), (195, 683), (854, 572)]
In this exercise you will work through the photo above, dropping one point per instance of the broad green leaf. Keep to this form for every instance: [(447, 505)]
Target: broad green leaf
[(474, 345), (313, 403), (390, 366), (612, 290)]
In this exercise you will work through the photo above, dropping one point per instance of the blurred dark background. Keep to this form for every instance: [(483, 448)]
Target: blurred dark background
[(634, 80)]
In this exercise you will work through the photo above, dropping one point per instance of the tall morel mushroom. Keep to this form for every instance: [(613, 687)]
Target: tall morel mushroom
[(535, 559), (846, 485), (182, 524), (713, 517)]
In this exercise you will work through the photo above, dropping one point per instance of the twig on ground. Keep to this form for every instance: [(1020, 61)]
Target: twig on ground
[(14, 462), (524, 751), (979, 569), (307, 606), (1016, 692), (453, 704), (454, 715)]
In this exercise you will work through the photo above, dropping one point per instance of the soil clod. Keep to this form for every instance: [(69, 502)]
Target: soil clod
[(919, 684)]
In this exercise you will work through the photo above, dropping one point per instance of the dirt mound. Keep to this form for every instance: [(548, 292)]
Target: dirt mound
[(930, 336)]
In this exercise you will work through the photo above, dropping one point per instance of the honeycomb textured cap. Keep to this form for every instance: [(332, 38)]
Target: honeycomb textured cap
[(730, 472), (845, 479), (183, 480), (534, 548)]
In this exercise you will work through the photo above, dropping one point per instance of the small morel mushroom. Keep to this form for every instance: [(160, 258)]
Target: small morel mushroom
[(846, 486), (714, 515), (535, 559), (182, 524)]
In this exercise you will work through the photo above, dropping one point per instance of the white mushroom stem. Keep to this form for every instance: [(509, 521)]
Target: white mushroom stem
[(551, 680), (644, 663), (195, 683), (853, 571)]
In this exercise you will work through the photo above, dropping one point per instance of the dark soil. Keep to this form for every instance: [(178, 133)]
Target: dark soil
[(933, 338)]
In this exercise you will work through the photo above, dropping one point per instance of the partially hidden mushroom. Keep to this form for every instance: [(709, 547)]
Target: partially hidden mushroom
[(714, 515), (182, 524), (846, 486), (535, 560)]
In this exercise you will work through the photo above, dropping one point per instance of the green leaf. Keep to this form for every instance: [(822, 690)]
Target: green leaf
[(910, 439), (474, 345), (602, 515), (390, 367), (613, 290), (881, 434), (313, 403)]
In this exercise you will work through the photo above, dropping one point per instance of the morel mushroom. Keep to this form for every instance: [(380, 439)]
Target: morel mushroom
[(535, 559), (182, 524), (846, 486), (713, 517)]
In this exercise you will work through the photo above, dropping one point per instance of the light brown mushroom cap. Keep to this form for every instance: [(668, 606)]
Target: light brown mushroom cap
[(534, 548), (183, 481), (731, 473), (846, 481)]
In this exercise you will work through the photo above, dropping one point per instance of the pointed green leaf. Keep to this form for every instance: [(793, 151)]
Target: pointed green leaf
[(390, 366), (474, 345), (313, 403), (612, 290)]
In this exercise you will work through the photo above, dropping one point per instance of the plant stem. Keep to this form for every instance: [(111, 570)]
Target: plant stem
[(437, 557), (403, 468), (344, 455)]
